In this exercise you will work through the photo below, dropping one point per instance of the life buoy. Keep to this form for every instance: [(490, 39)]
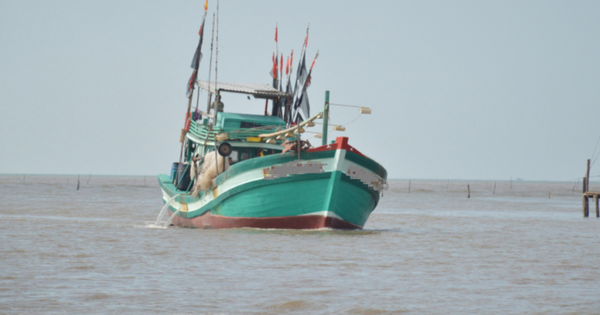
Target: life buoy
[(188, 121), (187, 125)]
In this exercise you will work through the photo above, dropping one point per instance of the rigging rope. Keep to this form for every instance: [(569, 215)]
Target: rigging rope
[(596, 147)]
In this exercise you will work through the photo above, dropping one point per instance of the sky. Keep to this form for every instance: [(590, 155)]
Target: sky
[(482, 90)]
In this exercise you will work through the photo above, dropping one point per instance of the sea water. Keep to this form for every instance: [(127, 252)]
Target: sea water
[(524, 248)]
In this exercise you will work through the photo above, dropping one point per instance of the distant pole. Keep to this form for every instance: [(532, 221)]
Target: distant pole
[(78, 178), (468, 191), (587, 177), (583, 185), (586, 188), (596, 198), (494, 188), (325, 119)]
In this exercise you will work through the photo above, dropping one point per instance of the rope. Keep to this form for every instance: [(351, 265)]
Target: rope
[(596, 147), (357, 117), (346, 105)]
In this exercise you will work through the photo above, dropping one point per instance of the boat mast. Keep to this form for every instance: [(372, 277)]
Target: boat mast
[(212, 39), (325, 118), (218, 96)]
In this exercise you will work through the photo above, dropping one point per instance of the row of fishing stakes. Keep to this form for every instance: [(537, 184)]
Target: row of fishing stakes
[(88, 180), (493, 191)]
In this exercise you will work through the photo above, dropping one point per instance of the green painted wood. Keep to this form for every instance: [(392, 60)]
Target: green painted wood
[(233, 121), (367, 163), (292, 196), (354, 203), (325, 119), (269, 160)]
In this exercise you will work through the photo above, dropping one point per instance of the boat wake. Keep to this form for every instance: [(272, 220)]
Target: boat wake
[(163, 220), (151, 225)]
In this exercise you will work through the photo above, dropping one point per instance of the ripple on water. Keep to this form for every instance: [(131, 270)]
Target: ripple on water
[(430, 251)]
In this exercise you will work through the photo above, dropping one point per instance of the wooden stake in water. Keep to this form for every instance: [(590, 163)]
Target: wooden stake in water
[(468, 191), (78, 178), (586, 188), (587, 177)]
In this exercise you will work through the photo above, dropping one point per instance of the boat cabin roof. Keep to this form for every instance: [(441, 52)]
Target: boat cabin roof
[(264, 91)]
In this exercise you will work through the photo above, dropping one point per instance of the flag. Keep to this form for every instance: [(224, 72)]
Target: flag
[(300, 75), (287, 117), (274, 71), (197, 58), (302, 101), (302, 104), (275, 107), (291, 62)]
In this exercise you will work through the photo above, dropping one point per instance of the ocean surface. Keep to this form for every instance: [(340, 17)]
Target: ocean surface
[(525, 249)]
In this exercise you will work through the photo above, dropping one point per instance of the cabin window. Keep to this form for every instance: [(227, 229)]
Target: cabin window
[(245, 156), (234, 156), (247, 124)]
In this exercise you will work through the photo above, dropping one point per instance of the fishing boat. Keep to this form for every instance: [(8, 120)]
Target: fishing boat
[(239, 170)]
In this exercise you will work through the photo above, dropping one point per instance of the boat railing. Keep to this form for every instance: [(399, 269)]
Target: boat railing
[(205, 133)]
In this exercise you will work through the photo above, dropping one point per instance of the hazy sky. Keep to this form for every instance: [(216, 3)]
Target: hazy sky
[(458, 89)]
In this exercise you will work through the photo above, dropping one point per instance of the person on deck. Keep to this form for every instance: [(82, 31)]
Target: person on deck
[(217, 105)]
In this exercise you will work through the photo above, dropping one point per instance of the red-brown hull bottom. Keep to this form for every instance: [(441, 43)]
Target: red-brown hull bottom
[(304, 222)]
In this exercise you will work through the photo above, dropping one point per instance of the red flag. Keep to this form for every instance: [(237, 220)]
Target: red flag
[(206, 5), (313, 64), (196, 60), (275, 33), (287, 66), (274, 68)]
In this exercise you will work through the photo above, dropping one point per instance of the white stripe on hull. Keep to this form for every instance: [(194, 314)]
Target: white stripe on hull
[(337, 163)]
